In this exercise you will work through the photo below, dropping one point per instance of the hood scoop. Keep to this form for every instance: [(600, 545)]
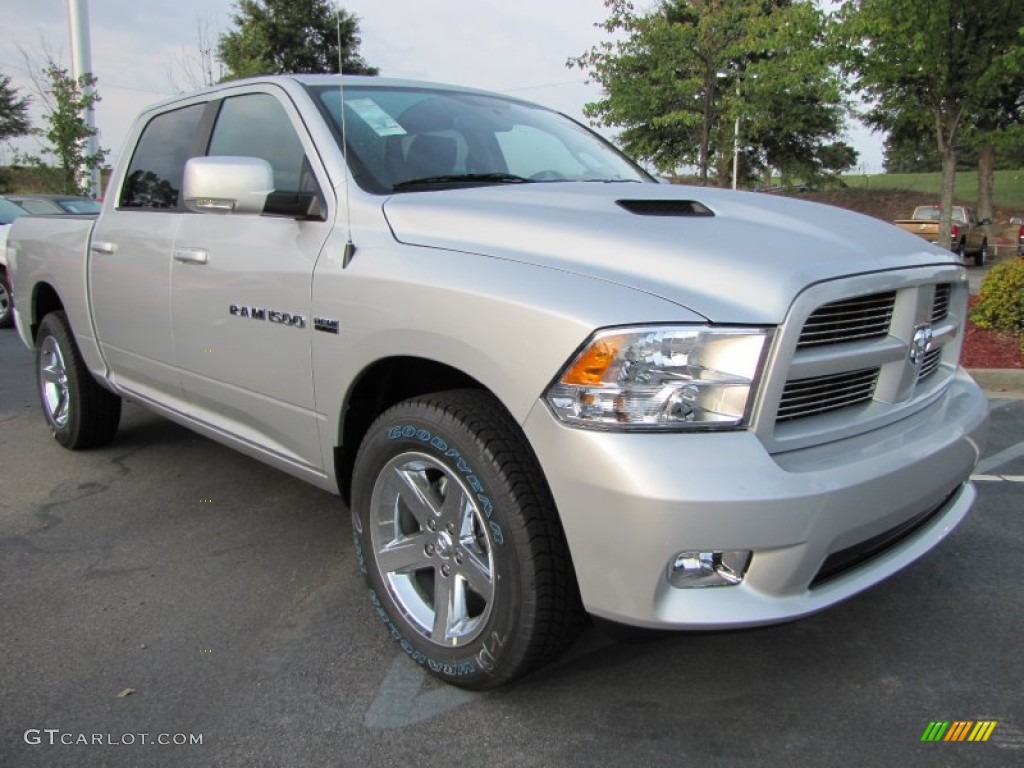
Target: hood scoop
[(684, 208)]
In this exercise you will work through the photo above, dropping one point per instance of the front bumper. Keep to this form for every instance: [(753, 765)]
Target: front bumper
[(630, 502)]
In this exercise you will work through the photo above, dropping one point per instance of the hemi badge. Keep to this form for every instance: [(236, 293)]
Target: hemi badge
[(325, 325)]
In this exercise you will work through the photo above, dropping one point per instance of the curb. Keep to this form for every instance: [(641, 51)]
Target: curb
[(1000, 382)]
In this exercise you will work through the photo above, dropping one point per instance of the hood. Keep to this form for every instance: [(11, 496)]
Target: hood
[(743, 261)]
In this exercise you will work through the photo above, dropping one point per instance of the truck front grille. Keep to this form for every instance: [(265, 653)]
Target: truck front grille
[(821, 394), (930, 364), (863, 317), (860, 352), (940, 307)]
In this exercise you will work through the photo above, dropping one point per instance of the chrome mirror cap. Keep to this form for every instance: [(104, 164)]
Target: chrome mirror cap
[(227, 184)]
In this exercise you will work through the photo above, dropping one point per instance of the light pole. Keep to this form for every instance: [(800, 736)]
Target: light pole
[(736, 145), (81, 64), (736, 125)]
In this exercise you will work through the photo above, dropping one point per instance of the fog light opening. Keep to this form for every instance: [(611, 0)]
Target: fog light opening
[(696, 570)]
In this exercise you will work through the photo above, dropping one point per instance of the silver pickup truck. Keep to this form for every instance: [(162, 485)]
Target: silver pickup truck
[(544, 384)]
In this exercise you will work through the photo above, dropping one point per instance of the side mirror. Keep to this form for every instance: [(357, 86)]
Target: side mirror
[(227, 184)]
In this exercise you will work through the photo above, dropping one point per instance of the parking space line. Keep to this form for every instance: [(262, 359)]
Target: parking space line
[(1005, 456), (998, 478)]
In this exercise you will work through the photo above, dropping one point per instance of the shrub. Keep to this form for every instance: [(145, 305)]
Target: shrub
[(1000, 304)]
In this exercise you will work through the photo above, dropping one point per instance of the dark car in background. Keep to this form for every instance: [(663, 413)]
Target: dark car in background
[(56, 204), (13, 206)]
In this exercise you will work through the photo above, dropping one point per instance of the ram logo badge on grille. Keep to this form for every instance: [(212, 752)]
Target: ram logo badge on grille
[(921, 344)]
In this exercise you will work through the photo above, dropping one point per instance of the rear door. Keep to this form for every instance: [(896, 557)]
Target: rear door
[(130, 259), (241, 287)]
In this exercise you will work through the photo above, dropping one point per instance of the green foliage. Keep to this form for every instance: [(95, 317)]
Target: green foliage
[(67, 99), (285, 36), (13, 111), (1008, 189), (1000, 304), (679, 76), (67, 132), (793, 106), (32, 178), (948, 65)]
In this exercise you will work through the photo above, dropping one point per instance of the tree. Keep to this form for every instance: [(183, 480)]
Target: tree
[(67, 131), (999, 124), (14, 120), (199, 67), (661, 79), (65, 100), (794, 104), (933, 61), (279, 36), (681, 75)]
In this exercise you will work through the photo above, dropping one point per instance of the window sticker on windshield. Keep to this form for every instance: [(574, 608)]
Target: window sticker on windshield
[(381, 122)]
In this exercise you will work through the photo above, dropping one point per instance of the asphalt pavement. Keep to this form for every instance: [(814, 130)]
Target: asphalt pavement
[(167, 589)]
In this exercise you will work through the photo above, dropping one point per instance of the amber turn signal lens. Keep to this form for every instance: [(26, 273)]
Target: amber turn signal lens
[(592, 364)]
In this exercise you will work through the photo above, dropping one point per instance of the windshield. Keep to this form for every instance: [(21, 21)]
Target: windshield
[(420, 138)]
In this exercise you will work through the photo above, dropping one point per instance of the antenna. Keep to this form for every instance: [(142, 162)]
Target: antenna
[(350, 248)]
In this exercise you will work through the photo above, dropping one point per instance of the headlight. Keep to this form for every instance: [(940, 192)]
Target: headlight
[(661, 378)]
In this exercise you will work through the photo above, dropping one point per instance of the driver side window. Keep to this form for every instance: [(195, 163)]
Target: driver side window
[(256, 125)]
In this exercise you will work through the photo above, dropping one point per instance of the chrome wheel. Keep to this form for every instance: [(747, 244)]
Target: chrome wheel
[(433, 549), (5, 300), (53, 378)]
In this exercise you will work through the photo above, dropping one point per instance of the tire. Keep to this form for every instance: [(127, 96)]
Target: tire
[(6, 302), (79, 411), (961, 252), (982, 255), (457, 535)]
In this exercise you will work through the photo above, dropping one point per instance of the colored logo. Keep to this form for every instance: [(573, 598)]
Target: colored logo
[(958, 730)]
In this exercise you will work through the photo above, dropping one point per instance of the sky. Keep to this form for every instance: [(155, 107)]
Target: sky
[(144, 51)]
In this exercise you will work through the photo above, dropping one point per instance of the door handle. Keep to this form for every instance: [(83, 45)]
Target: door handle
[(103, 246), (190, 255)]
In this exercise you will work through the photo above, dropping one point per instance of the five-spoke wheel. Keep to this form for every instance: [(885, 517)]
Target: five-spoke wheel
[(81, 413), (460, 542), (433, 549)]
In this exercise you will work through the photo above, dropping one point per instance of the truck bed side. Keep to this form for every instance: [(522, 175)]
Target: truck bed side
[(49, 261)]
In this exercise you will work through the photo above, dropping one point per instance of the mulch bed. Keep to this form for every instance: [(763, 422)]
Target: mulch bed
[(991, 349)]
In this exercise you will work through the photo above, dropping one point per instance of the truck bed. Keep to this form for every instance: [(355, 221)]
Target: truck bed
[(54, 250)]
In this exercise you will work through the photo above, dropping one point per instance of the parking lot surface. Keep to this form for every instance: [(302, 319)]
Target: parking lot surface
[(166, 589)]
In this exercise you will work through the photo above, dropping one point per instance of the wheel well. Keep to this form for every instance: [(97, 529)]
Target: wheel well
[(44, 301), (380, 386)]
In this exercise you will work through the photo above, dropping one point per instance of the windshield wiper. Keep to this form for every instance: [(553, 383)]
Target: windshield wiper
[(459, 178)]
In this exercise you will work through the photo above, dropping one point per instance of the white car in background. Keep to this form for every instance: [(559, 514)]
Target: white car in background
[(8, 213)]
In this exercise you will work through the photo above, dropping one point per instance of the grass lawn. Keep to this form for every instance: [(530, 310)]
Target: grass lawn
[(1008, 189)]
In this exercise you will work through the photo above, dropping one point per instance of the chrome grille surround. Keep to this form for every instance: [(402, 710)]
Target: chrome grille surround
[(820, 393)]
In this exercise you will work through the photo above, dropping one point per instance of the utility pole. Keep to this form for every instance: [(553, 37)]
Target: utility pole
[(736, 150), (81, 64)]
